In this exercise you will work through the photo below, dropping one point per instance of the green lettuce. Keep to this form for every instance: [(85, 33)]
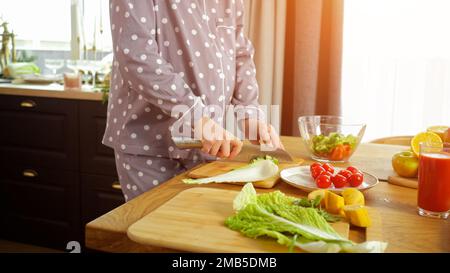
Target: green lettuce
[(275, 215), (322, 144), (15, 70), (266, 157)]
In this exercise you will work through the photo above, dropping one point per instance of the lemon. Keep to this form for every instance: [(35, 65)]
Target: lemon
[(353, 196), (439, 130), (358, 215), (427, 137)]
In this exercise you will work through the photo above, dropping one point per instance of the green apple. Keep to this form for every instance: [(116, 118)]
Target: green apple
[(406, 164)]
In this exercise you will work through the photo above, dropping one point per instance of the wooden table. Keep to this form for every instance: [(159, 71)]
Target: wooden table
[(402, 228)]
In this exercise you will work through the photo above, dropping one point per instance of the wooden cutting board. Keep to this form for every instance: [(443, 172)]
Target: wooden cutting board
[(221, 167), (412, 183), (193, 221)]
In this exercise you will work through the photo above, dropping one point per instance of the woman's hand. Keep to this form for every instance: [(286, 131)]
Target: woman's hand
[(216, 140), (261, 133)]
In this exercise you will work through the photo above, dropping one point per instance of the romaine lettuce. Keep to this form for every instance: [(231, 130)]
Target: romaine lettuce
[(259, 170), (275, 215)]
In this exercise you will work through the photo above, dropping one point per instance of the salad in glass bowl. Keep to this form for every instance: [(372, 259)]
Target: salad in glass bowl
[(330, 138)]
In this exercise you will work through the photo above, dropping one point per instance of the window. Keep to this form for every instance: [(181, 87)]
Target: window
[(396, 65), (94, 24), (55, 24), (43, 24)]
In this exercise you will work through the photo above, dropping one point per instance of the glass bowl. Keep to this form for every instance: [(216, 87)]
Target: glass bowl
[(330, 139)]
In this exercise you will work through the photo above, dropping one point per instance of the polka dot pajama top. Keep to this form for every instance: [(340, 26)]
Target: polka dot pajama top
[(169, 53)]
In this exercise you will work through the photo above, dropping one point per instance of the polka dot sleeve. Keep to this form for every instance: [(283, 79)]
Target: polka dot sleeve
[(133, 25), (246, 92)]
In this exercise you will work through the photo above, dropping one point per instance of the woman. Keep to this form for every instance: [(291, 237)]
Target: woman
[(171, 55)]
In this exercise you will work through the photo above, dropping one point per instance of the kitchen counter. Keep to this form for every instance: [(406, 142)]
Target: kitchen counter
[(402, 228), (48, 91)]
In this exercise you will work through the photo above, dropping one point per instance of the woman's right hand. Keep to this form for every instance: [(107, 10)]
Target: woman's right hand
[(216, 140)]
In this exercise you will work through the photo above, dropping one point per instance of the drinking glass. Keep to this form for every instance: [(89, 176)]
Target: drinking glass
[(94, 67), (84, 67), (73, 65), (434, 180), (54, 65)]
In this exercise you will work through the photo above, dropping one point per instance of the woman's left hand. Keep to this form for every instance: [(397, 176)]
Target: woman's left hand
[(265, 134)]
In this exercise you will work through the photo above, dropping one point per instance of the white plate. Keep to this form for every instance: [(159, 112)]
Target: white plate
[(41, 79), (300, 177)]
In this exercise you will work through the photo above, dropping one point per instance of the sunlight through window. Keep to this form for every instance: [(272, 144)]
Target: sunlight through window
[(396, 68)]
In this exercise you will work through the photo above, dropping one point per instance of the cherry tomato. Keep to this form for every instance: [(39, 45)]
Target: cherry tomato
[(356, 180), (317, 171), (323, 181), (353, 170), (314, 165), (346, 174), (328, 168), (339, 181)]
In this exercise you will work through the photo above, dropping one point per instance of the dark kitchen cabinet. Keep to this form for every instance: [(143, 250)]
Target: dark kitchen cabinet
[(40, 206), (55, 174), (99, 183), (100, 194), (95, 157), (39, 131)]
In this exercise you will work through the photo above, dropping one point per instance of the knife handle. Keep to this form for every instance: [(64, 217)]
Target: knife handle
[(187, 143)]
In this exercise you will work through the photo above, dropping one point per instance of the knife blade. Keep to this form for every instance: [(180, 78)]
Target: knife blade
[(249, 150)]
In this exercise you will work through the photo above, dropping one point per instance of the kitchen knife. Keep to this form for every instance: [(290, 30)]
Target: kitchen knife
[(249, 151)]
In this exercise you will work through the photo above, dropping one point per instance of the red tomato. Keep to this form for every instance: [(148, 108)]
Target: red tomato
[(317, 171), (314, 165), (323, 181), (328, 168), (337, 154), (347, 150), (346, 174), (356, 180), (353, 170), (339, 181)]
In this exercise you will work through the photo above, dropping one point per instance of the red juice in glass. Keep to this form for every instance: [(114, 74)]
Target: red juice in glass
[(434, 181)]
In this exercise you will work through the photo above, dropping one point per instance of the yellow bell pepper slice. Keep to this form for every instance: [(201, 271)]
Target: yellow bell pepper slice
[(353, 196), (358, 215), (335, 203)]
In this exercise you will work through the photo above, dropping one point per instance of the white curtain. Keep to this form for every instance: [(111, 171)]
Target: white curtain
[(396, 65), (266, 28)]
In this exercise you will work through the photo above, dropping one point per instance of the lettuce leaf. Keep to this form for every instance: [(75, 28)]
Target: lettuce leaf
[(257, 171), (257, 215), (275, 215), (322, 144)]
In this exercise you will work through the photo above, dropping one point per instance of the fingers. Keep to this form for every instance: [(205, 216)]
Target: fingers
[(264, 136), (207, 145), (218, 142), (276, 141), (236, 148), (225, 149), (215, 148)]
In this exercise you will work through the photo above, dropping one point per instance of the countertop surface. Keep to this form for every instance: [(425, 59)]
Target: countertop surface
[(402, 228), (47, 91)]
